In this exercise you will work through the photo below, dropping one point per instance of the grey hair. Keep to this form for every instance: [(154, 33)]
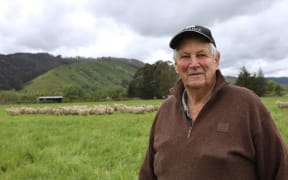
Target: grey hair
[(213, 50)]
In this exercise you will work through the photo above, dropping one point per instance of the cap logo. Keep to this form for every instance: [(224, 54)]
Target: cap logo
[(192, 28), (200, 30)]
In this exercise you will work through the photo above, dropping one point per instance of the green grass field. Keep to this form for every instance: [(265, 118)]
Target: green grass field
[(104, 147)]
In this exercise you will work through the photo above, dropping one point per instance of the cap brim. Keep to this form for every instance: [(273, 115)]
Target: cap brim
[(178, 38)]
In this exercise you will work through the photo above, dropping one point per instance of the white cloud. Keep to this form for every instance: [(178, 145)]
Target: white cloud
[(255, 40)]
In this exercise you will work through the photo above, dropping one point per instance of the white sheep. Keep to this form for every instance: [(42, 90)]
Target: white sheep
[(282, 104), (13, 111)]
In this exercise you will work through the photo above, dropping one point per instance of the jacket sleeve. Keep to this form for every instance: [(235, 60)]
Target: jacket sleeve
[(147, 169), (271, 152)]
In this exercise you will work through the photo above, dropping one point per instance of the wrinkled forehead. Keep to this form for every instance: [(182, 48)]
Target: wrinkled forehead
[(193, 45)]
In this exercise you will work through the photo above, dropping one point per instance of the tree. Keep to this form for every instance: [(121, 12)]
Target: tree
[(244, 78), (10, 96), (165, 77), (274, 89), (148, 88), (73, 92), (143, 84), (259, 84), (152, 81), (278, 90), (270, 85), (256, 83)]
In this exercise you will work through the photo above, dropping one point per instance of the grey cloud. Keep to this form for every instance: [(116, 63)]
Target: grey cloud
[(160, 18), (252, 40), (48, 29), (246, 32)]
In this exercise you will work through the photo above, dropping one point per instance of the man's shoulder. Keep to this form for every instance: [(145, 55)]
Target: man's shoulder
[(241, 95), (169, 102), (240, 91)]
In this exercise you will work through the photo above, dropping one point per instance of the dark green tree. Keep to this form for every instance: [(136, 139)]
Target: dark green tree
[(244, 78), (147, 91), (152, 81), (136, 86), (165, 77), (259, 84), (256, 83)]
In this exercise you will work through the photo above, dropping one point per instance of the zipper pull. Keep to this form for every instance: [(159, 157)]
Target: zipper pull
[(189, 132)]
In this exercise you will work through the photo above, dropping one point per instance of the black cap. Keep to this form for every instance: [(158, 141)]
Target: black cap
[(188, 32)]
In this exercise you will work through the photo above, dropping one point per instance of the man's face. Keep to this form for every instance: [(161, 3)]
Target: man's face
[(195, 63)]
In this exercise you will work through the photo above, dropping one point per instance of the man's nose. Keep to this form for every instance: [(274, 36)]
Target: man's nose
[(193, 61)]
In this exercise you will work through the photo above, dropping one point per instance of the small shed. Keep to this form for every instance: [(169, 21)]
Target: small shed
[(56, 99)]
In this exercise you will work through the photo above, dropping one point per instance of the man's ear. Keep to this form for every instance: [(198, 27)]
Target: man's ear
[(217, 58), (175, 67)]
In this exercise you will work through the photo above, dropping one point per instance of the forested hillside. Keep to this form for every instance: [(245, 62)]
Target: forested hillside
[(93, 78), (16, 69)]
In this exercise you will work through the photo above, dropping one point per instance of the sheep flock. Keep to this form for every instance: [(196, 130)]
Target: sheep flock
[(84, 110)]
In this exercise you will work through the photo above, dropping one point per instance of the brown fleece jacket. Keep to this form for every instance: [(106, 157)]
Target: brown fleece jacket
[(233, 138)]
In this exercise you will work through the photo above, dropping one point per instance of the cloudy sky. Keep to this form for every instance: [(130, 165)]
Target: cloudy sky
[(248, 33)]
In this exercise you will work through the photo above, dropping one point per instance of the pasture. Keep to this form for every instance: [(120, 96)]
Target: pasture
[(104, 147)]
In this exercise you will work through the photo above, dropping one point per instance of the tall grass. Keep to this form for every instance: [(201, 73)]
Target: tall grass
[(106, 147), (280, 116)]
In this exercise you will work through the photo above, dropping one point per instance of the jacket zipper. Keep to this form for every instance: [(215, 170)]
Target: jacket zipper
[(189, 131), (187, 114), (190, 121)]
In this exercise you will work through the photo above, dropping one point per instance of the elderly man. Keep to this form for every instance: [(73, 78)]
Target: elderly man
[(209, 129)]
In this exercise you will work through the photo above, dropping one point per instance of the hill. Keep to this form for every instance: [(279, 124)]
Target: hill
[(279, 80), (20, 68), (16, 69), (231, 79), (100, 77)]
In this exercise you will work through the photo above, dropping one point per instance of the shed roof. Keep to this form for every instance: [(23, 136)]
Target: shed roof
[(50, 97)]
